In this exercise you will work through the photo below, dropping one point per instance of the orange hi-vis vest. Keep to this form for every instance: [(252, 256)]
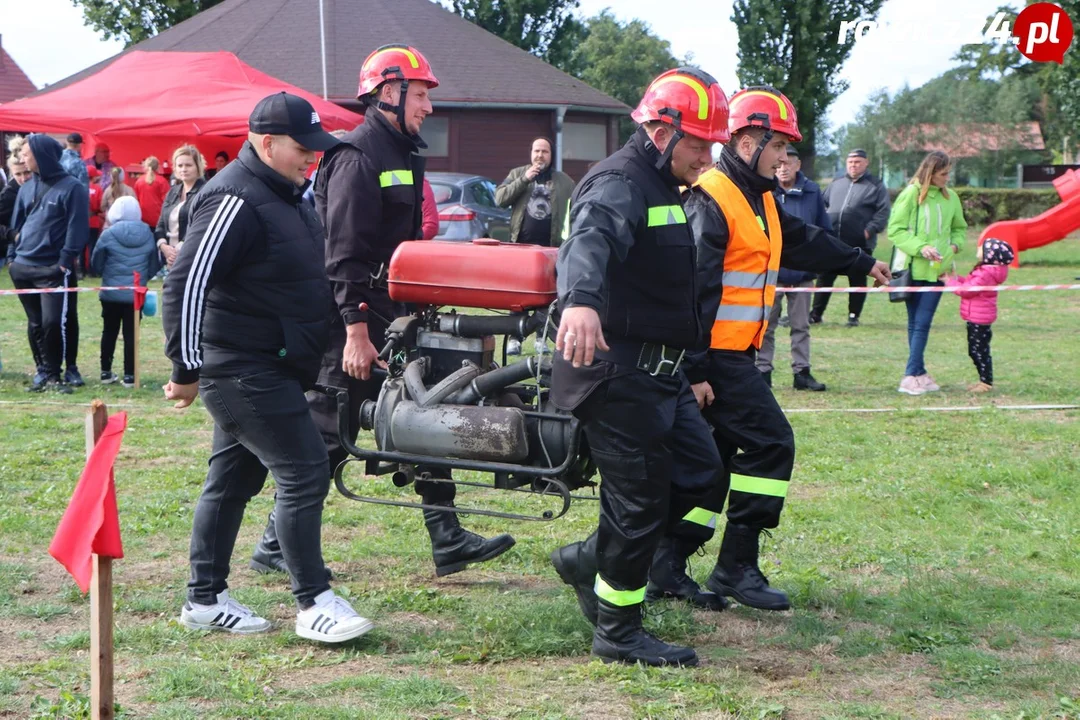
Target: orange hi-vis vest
[(751, 264)]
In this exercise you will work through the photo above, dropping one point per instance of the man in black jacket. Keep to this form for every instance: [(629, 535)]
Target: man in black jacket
[(628, 298), (368, 194), (742, 240), (245, 316), (858, 205)]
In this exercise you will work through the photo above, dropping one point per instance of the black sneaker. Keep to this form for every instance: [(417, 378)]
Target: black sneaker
[(815, 319), (129, 381), (55, 385), (108, 377), (37, 383), (73, 378), (852, 320)]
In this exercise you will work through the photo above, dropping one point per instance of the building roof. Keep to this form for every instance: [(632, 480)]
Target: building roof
[(13, 81), (281, 38), (966, 139)]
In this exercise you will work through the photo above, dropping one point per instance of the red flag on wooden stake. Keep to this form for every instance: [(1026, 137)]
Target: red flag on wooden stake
[(91, 523)]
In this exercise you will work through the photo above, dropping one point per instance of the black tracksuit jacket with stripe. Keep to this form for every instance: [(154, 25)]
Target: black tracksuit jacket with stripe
[(248, 292)]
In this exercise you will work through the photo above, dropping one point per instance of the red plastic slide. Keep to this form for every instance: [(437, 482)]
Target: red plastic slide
[(1051, 226)]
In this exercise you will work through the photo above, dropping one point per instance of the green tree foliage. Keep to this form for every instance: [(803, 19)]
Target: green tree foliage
[(1057, 105), (621, 59), (794, 47), (546, 28), (953, 110), (136, 20)]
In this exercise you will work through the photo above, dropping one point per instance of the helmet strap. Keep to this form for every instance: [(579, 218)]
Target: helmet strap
[(676, 124), (760, 148), (399, 109)]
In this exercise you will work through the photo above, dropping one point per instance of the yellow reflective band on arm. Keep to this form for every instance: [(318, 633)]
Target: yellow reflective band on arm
[(701, 516), (395, 177), (666, 215), (759, 486), (702, 93), (621, 598)]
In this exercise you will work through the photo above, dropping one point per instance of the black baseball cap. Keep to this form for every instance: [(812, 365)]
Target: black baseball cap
[(857, 152), (75, 138), (792, 152), (285, 114)]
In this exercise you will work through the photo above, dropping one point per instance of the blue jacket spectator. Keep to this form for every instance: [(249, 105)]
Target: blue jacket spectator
[(52, 211), (125, 248), (804, 201), (73, 163)]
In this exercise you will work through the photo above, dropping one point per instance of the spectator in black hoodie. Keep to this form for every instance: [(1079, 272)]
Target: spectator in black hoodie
[(52, 216)]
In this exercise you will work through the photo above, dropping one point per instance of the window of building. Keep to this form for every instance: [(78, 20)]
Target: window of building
[(436, 133), (584, 141)]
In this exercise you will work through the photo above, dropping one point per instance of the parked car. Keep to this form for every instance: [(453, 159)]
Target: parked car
[(467, 208)]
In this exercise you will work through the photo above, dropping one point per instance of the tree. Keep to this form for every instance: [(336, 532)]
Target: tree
[(546, 28), (1057, 107), (621, 59), (136, 20), (794, 46)]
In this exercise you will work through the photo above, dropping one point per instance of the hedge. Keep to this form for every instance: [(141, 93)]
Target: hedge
[(983, 206)]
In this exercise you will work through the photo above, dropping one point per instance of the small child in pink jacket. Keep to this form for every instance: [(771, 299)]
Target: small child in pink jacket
[(979, 307)]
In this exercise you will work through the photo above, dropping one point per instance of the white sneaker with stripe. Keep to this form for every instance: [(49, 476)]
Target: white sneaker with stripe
[(331, 620), (226, 614)]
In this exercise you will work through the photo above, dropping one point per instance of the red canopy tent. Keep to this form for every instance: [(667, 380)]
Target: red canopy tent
[(149, 103)]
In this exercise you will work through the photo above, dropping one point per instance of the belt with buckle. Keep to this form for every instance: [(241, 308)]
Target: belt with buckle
[(377, 279), (653, 358)]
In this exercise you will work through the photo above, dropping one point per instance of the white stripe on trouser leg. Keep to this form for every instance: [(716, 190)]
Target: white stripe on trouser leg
[(194, 288), (63, 323)]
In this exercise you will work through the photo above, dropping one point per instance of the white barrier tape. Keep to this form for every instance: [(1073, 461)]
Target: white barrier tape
[(49, 291), (941, 408), (924, 288)]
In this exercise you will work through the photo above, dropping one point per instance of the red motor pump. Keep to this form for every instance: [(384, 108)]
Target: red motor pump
[(446, 402)]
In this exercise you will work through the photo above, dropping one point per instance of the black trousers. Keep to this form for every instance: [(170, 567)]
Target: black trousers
[(324, 408), (753, 437), (660, 472), (978, 337), (261, 423), (52, 321), (115, 315), (855, 300)]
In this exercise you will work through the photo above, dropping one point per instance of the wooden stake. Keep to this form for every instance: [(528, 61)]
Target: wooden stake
[(101, 599)]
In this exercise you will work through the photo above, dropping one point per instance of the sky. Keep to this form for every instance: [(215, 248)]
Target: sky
[(914, 43)]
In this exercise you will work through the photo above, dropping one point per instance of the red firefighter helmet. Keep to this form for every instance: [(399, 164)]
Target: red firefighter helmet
[(764, 107), (689, 99), (394, 62)]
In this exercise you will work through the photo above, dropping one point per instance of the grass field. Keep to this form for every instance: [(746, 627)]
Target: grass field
[(933, 558)]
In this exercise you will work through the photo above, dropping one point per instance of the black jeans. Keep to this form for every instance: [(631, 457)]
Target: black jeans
[(261, 422), (115, 315), (855, 300), (324, 408), (52, 321), (660, 471)]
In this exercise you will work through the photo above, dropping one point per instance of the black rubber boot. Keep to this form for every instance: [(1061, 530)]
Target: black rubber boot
[(668, 578), (737, 575), (619, 637), (268, 557), (454, 548), (576, 565)]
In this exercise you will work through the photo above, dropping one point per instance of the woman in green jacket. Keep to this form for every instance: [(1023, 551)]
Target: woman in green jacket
[(926, 225)]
